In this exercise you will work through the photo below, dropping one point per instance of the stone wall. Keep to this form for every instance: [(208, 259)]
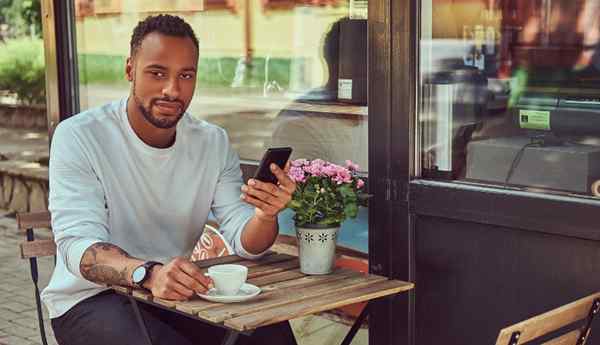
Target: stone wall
[(23, 186), (23, 116)]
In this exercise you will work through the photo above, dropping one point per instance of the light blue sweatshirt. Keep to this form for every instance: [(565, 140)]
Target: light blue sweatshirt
[(107, 185)]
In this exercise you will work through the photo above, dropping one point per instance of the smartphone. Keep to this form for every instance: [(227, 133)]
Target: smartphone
[(277, 155)]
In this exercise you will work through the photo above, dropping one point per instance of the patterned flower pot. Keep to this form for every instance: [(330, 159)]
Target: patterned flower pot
[(316, 246)]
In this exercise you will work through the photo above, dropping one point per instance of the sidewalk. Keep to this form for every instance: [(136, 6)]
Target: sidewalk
[(18, 316)]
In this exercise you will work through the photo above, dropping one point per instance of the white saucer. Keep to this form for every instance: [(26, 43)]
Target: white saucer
[(247, 291)]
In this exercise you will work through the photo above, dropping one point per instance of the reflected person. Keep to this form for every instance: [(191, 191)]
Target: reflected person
[(335, 137)]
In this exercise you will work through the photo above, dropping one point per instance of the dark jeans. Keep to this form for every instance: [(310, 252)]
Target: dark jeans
[(108, 319)]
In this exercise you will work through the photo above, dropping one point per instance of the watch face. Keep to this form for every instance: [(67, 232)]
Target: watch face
[(138, 274)]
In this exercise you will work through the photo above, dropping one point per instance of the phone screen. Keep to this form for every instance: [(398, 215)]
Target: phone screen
[(277, 155)]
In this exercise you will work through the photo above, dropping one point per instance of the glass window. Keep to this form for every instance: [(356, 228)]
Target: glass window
[(510, 93), (271, 72)]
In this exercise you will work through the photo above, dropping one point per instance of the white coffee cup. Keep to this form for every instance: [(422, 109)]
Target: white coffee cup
[(228, 279)]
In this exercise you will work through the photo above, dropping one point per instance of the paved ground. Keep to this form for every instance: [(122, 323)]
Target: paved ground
[(18, 317), (23, 144)]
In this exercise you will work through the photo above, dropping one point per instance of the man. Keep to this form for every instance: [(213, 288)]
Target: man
[(131, 186)]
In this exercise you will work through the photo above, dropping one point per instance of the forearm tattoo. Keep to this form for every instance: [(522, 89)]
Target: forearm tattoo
[(102, 273)]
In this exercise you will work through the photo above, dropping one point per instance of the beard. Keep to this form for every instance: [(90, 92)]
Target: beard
[(164, 123)]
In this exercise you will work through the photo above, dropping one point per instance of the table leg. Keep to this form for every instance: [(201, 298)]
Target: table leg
[(230, 338), (352, 332), (140, 320)]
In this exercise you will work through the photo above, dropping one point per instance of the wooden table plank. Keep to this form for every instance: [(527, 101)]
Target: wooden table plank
[(309, 280), (229, 259), (263, 270), (194, 305), (165, 302), (271, 259), (141, 294), (122, 289), (290, 292), (317, 304), (276, 277)]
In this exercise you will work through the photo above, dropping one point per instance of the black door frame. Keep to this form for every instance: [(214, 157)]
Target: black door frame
[(393, 65)]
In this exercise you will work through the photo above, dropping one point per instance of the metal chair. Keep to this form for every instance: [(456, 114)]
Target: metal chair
[(578, 315), (36, 248)]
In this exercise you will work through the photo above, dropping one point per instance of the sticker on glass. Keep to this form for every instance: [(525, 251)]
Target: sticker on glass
[(534, 119), (344, 88)]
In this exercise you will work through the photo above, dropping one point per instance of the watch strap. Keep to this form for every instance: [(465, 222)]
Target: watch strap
[(148, 268)]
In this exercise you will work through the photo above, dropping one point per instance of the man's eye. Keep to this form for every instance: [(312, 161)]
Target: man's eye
[(187, 76), (158, 74)]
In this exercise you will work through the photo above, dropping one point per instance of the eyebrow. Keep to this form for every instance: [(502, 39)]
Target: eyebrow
[(161, 67)]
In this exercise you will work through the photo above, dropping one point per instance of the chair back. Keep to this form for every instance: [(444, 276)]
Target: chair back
[(578, 314), (35, 248)]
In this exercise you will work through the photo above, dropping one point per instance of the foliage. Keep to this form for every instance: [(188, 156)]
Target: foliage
[(326, 193), (22, 69), (21, 16), (212, 72), (101, 69)]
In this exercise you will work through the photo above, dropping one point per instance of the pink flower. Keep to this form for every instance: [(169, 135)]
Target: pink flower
[(360, 183), (351, 166), (330, 170), (343, 176), (315, 167), (299, 162), (297, 174)]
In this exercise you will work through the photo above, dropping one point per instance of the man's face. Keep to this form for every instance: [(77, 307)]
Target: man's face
[(163, 72)]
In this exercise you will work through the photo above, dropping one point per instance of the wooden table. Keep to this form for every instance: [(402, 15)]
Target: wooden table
[(286, 294)]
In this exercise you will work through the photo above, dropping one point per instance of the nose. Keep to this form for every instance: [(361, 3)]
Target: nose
[(171, 89)]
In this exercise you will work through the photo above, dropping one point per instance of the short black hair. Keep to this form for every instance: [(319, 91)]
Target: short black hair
[(165, 24)]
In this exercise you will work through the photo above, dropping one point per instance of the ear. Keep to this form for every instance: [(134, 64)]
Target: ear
[(129, 69)]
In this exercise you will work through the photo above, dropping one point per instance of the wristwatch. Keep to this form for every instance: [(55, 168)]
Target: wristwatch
[(141, 273)]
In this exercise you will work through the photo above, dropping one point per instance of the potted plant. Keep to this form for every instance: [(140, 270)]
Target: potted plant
[(326, 195)]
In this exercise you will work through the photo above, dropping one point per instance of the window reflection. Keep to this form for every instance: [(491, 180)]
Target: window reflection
[(262, 63), (510, 93)]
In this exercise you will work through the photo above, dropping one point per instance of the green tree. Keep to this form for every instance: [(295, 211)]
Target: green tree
[(22, 69), (22, 16)]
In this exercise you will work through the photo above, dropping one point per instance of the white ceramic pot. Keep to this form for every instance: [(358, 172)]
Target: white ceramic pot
[(316, 246)]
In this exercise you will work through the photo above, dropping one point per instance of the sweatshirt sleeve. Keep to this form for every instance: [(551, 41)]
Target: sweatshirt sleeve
[(76, 199), (231, 212)]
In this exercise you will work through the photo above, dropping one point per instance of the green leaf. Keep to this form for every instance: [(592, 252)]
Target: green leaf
[(294, 204), (346, 190), (351, 210)]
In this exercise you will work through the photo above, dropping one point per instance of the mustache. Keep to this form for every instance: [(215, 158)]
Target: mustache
[(166, 99)]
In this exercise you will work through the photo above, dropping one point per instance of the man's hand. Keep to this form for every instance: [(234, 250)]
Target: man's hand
[(179, 280), (268, 198)]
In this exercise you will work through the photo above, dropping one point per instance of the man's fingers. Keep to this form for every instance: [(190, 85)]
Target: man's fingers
[(282, 177), (263, 186), (200, 282), (176, 288), (268, 198), (187, 281), (268, 209), (284, 180)]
